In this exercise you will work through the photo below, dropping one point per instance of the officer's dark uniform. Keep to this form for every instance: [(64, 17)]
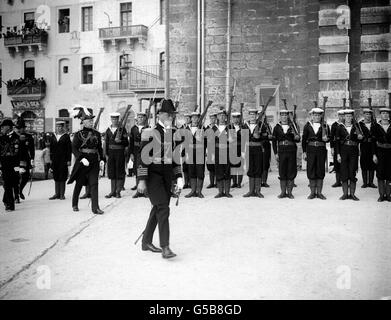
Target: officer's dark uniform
[(115, 151), (382, 150), (336, 164), (185, 165), (285, 145), (27, 148), (315, 148), (367, 165), (61, 156), (347, 148), (196, 162), (134, 149), (211, 166), (86, 144), (10, 159), (159, 174)]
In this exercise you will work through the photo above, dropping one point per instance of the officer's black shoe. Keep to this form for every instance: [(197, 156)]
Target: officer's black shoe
[(150, 247), (344, 197), (336, 185), (219, 195), (21, 195), (321, 196), (98, 211), (258, 194), (372, 185), (228, 195), (54, 197), (118, 195), (265, 185), (353, 197), (137, 195), (75, 209), (365, 185), (311, 196), (200, 195), (85, 196), (167, 253), (234, 185), (108, 196), (210, 186), (62, 198), (290, 196), (381, 199), (17, 200), (134, 188), (9, 209), (282, 195)]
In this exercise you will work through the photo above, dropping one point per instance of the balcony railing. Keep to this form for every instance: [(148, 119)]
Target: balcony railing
[(37, 90), (26, 40), (136, 31), (137, 78), (129, 33)]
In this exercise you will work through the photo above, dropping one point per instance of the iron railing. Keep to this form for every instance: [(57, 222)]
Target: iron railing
[(26, 40), (135, 31), (27, 89)]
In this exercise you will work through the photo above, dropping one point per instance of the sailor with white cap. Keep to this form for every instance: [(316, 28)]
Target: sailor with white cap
[(135, 145), (285, 149), (60, 156), (237, 168), (333, 133), (367, 165), (115, 155), (348, 137), (210, 166), (382, 136), (315, 152)]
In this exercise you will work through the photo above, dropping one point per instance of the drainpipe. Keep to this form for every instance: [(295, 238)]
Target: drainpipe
[(228, 72), (167, 60), (202, 104), (198, 101)]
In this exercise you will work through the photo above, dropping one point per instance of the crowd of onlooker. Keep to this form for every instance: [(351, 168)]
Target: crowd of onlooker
[(24, 31), (18, 83)]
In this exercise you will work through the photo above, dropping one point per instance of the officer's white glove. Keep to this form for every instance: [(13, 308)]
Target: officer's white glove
[(179, 183), (85, 162), (17, 169), (22, 170), (101, 163), (339, 159), (32, 162), (375, 161)]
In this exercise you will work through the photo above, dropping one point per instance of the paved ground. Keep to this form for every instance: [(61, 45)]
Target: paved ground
[(227, 248)]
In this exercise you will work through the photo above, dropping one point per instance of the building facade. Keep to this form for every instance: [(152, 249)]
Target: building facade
[(101, 54), (306, 49)]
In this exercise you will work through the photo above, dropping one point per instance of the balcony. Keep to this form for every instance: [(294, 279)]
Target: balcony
[(137, 80), (130, 34), (27, 91), (38, 41)]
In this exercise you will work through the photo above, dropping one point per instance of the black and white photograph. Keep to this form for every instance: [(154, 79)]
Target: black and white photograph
[(195, 150)]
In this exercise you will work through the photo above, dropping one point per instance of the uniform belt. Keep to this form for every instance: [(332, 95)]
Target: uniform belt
[(116, 147), (89, 150), (286, 143), (316, 144), (350, 143), (255, 144), (384, 145)]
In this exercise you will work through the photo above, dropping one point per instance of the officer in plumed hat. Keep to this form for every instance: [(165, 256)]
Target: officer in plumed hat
[(88, 152)]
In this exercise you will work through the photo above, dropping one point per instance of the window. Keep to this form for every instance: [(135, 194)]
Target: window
[(63, 20), (124, 64), (29, 20), (63, 113), (87, 70), (162, 12), (63, 71), (126, 14), (162, 60), (86, 17), (29, 69)]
